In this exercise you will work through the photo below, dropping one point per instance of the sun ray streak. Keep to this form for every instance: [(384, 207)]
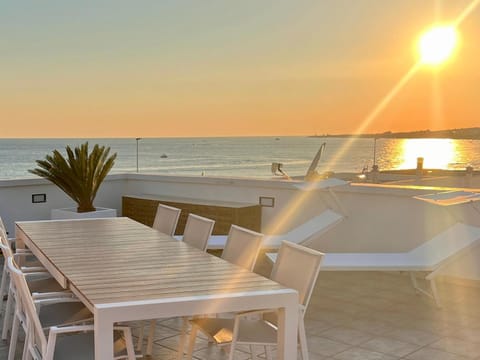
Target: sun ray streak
[(293, 205), (467, 11), (376, 111)]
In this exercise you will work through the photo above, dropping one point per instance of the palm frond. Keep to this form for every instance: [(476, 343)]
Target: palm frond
[(79, 174)]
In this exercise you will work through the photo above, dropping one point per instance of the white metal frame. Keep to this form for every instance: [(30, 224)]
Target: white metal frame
[(433, 256), (106, 315), (310, 272)]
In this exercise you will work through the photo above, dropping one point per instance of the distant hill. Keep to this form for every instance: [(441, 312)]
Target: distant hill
[(466, 133)]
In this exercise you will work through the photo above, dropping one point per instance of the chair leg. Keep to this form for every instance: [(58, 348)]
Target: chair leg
[(8, 314), (191, 343), (13, 338), (140, 339), (151, 336), (303, 338), (253, 352), (413, 279), (268, 352), (183, 335), (26, 351), (433, 286), (3, 286), (129, 343)]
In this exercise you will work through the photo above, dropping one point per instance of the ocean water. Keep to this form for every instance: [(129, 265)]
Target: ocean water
[(249, 156)]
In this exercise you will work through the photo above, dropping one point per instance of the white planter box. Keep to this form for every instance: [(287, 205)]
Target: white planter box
[(71, 213)]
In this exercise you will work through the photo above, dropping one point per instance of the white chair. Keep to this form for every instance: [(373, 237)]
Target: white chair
[(39, 282), (242, 247), (31, 266), (79, 342), (53, 316), (166, 219), (4, 230), (197, 232), (297, 267)]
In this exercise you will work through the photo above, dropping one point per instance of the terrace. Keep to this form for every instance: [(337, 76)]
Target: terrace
[(352, 315), (365, 315)]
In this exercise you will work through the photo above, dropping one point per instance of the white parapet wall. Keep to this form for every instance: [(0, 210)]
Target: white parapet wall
[(375, 218)]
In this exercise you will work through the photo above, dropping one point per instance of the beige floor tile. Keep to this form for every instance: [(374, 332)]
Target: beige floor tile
[(315, 327), (434, 354), (365, 315), (362, 354), (346, 335), (325, 347), (371, 325), (214, 352), (457, 346), (390, 346), (413, 336)]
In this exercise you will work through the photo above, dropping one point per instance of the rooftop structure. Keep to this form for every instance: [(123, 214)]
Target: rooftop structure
[(353, 314)]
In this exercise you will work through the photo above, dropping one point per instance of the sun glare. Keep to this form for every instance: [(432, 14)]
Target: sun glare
[(437, 153), (437, 44)]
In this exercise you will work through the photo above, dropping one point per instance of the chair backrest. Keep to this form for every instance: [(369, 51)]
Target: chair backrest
[(197, 231), (166, 219), (6, 250), (242, 247), (2, 224), (297, 267), (3, 234), (26, 305)]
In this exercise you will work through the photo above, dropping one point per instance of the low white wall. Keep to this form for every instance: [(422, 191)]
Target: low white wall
[(16, 198), (377, 219), (275, 220), (291, 206)]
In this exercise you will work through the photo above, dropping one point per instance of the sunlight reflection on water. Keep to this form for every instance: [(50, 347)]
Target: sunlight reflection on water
[(437, 153)]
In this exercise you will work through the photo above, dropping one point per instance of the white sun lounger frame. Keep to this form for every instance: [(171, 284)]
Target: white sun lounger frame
[(299, 235), (432, 256)]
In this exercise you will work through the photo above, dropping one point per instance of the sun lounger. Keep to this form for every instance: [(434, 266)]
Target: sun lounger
[(299, 235), (432, 257)]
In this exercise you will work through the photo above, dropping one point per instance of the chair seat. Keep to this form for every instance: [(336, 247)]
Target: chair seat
[(44, 285), (64, 313), (250, 331), (81, 346)]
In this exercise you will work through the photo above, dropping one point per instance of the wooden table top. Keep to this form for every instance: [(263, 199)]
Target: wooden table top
[(120, 260)]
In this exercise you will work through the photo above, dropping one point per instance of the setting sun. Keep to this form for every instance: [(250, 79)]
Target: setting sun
[(437, 44)]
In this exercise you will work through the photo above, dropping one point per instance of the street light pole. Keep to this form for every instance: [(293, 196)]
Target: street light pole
[(137, 139)]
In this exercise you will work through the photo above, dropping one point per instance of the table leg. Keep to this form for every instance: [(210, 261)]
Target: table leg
[(287, 333), (103, 337)]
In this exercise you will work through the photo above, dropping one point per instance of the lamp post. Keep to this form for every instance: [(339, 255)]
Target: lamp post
[(137, 140)]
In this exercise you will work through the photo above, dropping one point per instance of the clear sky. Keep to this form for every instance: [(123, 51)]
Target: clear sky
[(123, 68)]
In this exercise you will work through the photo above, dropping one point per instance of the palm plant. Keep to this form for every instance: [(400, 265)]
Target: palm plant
[(80, 174)]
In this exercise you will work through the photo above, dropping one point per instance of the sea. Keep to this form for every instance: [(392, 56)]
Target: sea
[(249, 157)]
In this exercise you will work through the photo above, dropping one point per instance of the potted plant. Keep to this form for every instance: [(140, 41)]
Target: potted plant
[(79, 175)]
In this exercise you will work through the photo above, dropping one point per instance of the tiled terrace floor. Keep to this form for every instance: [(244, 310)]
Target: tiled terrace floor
[(367, 315)]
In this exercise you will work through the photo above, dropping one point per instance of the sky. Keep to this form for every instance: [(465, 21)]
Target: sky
[(181, 68)]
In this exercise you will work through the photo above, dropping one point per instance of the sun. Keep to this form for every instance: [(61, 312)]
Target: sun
[(437, 44)]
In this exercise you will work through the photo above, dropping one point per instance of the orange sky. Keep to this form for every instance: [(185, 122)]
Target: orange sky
[(157, 69)]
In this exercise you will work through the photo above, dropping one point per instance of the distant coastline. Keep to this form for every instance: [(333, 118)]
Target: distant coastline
[(459, 134)]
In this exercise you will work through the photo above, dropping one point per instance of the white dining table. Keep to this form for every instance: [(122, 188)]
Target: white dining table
[(125, 271)]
